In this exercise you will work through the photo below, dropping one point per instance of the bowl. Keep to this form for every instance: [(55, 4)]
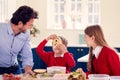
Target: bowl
[(98, 77), (56, 69), (115, 78), (1, 77)]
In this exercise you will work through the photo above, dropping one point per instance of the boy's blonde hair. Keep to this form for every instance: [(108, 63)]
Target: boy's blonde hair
[(64, 40)]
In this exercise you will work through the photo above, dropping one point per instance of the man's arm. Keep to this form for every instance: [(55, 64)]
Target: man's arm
[(27, 57)]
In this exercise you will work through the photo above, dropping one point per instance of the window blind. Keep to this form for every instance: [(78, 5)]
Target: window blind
[(3, 10)]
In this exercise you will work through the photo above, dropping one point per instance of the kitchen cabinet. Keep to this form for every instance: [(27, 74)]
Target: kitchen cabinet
[(76, 51)]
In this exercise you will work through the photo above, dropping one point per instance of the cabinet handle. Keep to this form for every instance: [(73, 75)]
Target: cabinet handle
[(80, 50)]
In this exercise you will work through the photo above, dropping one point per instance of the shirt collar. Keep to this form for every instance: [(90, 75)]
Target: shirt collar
[(21, 35), (97, 51), (55, 55), (9, 29)]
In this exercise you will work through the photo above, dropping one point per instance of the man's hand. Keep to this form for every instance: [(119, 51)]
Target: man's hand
[(28, 70)]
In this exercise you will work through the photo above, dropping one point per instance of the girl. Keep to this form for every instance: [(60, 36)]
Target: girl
[(102, 58)]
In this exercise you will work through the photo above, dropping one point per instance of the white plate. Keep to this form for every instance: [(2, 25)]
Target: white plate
[(1, 77), (39, 71)]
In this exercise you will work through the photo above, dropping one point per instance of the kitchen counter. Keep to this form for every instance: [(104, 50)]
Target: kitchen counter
[(83, 59)]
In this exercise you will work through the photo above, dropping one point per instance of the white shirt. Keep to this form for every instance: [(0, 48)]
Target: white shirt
[(97, 51), (55, 55)]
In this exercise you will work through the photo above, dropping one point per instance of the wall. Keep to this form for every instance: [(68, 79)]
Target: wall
[(110, 20), (11, 7), (21, 2), (110, 17)]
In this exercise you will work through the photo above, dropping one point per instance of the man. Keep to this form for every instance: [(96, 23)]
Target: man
[(14, 39)]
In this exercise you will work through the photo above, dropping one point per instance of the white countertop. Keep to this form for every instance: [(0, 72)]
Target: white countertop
[(83, 59)]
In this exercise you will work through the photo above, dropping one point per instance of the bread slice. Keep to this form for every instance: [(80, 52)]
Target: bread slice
[(56, 41), (39, 71)]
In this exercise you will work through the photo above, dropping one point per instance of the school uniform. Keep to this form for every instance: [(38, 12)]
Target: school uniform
[(106, 61), (66, 59)]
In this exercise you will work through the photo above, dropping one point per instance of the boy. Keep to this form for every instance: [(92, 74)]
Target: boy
[(60, 56)]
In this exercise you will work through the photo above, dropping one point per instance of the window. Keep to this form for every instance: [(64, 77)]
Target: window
[(72, 14), (3, 10)]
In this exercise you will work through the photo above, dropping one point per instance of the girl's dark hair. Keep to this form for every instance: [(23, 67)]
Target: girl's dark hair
[(24, 14), (90, 61)]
